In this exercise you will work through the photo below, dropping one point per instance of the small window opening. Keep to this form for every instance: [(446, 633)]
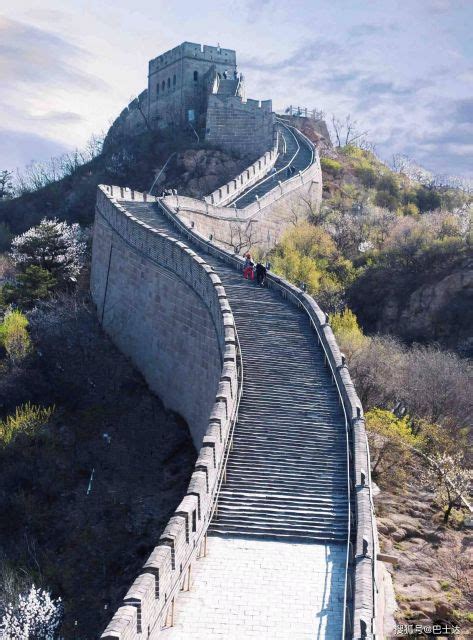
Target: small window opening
[(196, 76)]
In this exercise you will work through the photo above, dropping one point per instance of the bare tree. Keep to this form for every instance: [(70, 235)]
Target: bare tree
[(346, 131), (456, 565), (135, 101), (243, 236)]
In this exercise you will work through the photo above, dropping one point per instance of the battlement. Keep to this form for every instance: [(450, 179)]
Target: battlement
[(205, 53)]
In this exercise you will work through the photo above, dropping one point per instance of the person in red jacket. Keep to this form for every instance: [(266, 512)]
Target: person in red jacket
[(248, 272)]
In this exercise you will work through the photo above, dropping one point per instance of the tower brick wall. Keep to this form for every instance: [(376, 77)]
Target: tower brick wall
[(179, 81), (245, 127)]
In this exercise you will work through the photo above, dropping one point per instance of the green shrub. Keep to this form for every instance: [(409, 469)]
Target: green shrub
[(353, 151), (347, 331), (410, 209), (306, 253), (32, 285), (333, 167), (390, 440), (14, 336), (389, 183), (427, 199), (27, 420), (386, 200), (367, 174)]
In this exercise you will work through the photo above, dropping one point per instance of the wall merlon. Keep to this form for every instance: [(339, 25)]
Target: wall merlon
[(160, 558), (123, 623)]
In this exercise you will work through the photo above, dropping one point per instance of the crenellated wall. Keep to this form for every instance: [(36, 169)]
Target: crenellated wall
[(148, 604), (163, 307), (138, 272), (235, 124), (252, 174), (262, 222)]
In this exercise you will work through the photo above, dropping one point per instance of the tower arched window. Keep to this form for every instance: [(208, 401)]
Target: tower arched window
[(169, 83), (196, 76), (174, 80), (163, 85)]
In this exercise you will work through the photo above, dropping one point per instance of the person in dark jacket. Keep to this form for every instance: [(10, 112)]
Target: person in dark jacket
[(260, 274)]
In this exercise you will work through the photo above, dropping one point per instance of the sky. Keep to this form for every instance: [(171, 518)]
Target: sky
[(403, 69)]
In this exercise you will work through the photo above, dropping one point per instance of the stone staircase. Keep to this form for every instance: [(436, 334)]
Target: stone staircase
[(287, 471), (294, 146), (227, 87)]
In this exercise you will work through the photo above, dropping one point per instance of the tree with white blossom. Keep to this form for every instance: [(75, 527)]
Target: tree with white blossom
[(54, 246), (450, 479), (36, 617)]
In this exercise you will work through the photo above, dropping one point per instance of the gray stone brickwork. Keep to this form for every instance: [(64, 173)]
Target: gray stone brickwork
[(246, 179), (159, 303), (235, 124), (265, 219), (143, 257), (180, 81), (199, 85), (363, 566)]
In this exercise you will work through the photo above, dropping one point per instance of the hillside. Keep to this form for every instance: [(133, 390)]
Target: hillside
[(397, 251), (194, 169)]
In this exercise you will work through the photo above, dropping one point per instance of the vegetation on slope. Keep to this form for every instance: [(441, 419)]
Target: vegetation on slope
[(65, 188), (91, 464), (396, 251)]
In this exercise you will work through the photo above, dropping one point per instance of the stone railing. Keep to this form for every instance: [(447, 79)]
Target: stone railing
[(250, 176), (362, 540), (312, 173), (150, 600)]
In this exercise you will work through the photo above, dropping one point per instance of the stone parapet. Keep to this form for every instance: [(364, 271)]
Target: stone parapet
[(149, 602), (254, 173), (262, 220)]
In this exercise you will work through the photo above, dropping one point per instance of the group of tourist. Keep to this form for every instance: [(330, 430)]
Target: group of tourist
[(250, 270)]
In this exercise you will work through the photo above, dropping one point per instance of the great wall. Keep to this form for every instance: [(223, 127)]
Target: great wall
[(276, 536)]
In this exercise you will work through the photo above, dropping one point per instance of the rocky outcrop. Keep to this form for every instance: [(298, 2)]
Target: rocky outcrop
[(316, 130), (430, 312), (201, 171), (429, 555)]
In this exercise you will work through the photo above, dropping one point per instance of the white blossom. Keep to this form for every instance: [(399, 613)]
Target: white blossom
[(36, 617), (52, 245)]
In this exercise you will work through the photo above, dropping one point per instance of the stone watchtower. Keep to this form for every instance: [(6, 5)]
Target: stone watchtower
[(180, 80), (199, 85)]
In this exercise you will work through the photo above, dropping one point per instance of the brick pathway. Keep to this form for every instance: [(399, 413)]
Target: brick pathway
[(247, 589)]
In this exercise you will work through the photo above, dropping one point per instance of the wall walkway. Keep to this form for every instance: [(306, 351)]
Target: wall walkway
[(258, 214), (149, 603)]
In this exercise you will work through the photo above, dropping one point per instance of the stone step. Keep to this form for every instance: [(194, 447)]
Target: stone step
[(287, 470)]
